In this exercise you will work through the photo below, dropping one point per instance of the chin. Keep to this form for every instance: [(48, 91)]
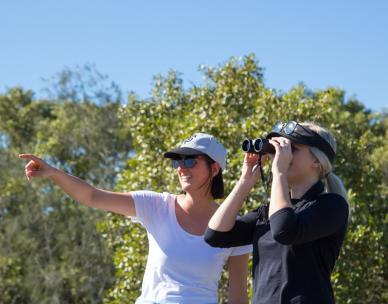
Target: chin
[(291, 177), (186, 186)]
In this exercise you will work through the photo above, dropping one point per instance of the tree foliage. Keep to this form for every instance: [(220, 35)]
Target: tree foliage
[(50, 248), (232, 104)]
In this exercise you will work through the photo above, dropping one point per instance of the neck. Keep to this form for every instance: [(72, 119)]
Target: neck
[(196, 202), (298, 189)]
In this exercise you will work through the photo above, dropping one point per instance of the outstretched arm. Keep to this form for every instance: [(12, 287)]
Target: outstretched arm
[(78, 189)]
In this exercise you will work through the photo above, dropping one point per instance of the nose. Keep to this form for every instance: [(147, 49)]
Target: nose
[(181, 168)]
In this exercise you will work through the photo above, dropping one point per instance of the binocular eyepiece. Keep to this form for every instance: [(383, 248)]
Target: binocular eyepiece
[(259, 146)]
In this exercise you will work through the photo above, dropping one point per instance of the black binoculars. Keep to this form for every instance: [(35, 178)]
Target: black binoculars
[(259, 146)]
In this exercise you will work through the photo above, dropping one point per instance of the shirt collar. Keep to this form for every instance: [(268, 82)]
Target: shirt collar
[(315, 190)]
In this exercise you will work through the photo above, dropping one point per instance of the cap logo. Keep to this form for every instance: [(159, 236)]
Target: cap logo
[(189, 139)]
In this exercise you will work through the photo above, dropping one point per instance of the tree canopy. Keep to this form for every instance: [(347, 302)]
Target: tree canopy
[(53, 250), (50, 248), (232, 104)]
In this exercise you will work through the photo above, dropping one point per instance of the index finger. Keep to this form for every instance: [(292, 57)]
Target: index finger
[(31, 157), (251, 157)]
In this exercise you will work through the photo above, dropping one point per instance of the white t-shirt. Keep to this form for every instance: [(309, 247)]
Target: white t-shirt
[(181, 267)]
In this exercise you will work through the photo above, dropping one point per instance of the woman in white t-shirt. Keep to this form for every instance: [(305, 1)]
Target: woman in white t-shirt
[(181, 267)]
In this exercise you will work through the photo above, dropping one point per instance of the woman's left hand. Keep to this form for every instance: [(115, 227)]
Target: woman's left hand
[(283, 155)]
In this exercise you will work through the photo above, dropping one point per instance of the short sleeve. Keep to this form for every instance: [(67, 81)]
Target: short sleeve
[(149, 207)]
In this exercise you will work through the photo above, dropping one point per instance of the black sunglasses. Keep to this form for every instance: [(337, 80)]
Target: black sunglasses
[(186, 162)]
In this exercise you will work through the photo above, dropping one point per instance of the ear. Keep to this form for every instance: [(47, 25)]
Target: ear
[(316, 164), (215, 169)]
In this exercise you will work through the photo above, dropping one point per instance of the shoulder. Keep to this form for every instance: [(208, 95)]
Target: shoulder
[(333, 198), (150, 193), (152, 196), (333, 201), (151, 205)]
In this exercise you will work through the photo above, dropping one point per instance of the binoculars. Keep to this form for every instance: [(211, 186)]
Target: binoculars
[(259, 146)]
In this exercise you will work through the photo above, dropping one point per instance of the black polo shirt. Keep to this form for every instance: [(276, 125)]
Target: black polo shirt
[(294, 251)]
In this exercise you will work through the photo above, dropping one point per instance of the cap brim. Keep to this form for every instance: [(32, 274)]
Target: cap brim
[(314, 141), (178, 152)]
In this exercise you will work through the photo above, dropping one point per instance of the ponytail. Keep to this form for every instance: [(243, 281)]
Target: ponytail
[(333, 184)]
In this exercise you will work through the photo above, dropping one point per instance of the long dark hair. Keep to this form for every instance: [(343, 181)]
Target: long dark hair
[(217, 182)]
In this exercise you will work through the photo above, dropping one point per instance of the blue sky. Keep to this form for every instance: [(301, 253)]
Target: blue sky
[(320, 43)]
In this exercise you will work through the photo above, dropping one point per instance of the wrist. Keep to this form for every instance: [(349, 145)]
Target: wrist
[(279, 173), (245, 183), (53, 172)]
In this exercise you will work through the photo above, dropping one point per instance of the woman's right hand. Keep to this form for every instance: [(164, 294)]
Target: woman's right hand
[(250, 170), (36, 167), (224, 218), (79, 190)]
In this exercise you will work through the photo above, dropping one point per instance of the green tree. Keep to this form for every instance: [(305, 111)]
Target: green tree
[(50, 248), (233, 104), (83, 83)]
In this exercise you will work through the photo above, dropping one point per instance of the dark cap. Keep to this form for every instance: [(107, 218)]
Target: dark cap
[(307, 137)]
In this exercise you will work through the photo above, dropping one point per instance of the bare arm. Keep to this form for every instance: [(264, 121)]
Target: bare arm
[(225, 216), (280, 197), (238, 273), (79, 190)]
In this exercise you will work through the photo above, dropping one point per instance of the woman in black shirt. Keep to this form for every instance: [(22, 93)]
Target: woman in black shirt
[(297, 237)]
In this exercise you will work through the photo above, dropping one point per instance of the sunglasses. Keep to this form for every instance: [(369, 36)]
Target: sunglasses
[(310, 138), (289, 128), (187, 162)]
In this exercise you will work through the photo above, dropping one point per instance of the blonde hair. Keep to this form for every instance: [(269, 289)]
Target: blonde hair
[(333, 184)]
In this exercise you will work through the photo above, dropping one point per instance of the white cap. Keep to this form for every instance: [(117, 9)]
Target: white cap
[(201, 143)]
